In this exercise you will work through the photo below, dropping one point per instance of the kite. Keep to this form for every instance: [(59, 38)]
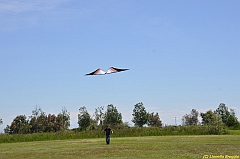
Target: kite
[(109, 71)]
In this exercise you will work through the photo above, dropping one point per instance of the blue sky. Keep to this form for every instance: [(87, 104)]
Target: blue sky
[(182, 55)]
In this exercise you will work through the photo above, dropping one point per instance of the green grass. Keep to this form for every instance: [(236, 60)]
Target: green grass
[(126, 147)]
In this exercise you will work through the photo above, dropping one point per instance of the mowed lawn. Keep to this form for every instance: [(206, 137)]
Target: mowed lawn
[(128, 147)]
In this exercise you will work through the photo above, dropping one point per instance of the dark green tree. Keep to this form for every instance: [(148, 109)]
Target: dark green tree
[(232, 120), (154, 120), (210, 118), (42, 122), (140, 115), (112, 116), (84, 119), (222, 110), (1, 121)]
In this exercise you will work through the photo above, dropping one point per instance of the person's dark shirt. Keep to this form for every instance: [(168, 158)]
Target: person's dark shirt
[(108, 131)]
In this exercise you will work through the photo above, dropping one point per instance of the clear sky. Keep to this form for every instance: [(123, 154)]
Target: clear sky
[(182, 55)]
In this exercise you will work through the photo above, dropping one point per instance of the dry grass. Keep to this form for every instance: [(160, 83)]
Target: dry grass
[(129, 147)]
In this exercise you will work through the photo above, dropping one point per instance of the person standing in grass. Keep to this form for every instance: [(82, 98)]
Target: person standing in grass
[(108, 131)]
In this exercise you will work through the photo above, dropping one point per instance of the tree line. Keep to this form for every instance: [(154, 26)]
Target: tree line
[(112, 117), (220, 116), (39, 122), (215, 121)]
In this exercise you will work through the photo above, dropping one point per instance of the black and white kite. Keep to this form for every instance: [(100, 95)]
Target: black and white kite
[(109, 71)]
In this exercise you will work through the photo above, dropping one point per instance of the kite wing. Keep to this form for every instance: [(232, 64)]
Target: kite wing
[(115, 70), (97, 72)]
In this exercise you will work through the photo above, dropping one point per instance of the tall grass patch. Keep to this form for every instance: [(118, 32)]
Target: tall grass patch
[(118, 132)]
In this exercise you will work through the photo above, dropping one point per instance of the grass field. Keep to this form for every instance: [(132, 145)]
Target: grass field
[(128, 147)]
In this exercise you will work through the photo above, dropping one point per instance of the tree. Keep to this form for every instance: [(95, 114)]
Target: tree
[(19, 125), (93, 124), (7, 130), (37, 120), (63, 119), (232, 119), (222, 110), (50, 123), (210, 118), (84, 119), (42, 122), (190, 119), (1, 121), (213, 121), (140, 115), (112, 116), (154, 120), (99, 115)]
